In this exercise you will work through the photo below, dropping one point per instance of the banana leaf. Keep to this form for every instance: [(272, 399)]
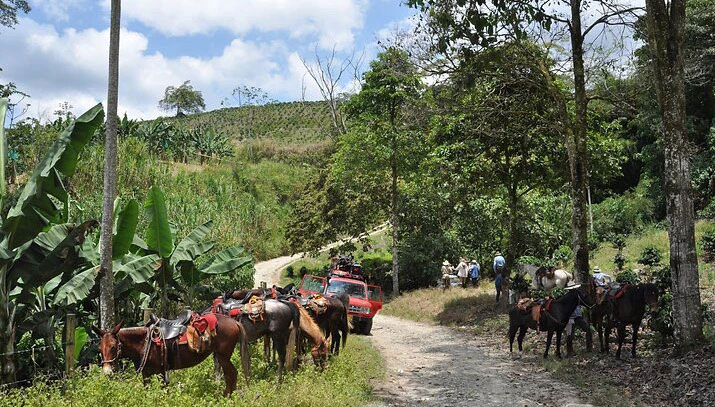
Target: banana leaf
[(3, 150), (191, 247), (226, 261), (35, 205), (158, 237), (77, 288), (126, 227)]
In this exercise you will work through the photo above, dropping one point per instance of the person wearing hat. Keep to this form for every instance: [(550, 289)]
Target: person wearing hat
[(499, 267), (446, 271), (474, 270), (577, 319), (463, 271), (600, 278)]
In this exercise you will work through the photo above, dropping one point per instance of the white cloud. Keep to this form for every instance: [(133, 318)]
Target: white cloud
[(58, 10), (331, 21), (71, 66)]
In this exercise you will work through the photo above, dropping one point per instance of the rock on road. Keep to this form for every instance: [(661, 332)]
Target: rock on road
[(431, 365)]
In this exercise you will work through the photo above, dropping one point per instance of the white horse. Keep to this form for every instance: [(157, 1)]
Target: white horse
[(560, 278)]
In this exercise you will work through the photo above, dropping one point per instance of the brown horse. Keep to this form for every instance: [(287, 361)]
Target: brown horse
[(129, 343), (312, 332), (629, 310)]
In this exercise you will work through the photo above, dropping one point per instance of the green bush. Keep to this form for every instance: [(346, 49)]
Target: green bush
[(623, 214), (708, 245), (628, 276), (289, 271), (651, 256)]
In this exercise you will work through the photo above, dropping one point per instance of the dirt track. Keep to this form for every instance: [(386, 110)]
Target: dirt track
[(436, 366)]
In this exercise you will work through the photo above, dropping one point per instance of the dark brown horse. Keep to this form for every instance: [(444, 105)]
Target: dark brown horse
[(280, 323), (334, 321), (129, 343), (629, 310), (553, 320)]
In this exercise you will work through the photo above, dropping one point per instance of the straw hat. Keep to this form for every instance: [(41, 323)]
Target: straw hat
[(445, 263), (596, 269), (473, 261), (571, 285)]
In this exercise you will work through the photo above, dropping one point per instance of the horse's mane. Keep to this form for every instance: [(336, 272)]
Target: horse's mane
[(309, 327)]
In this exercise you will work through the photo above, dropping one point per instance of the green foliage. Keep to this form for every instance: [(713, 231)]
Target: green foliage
[(708, 245), (345, 382), (651, 256), (183, 99), (290, 272), (623, 214), (10, 9), (210, 143), (628, 276)]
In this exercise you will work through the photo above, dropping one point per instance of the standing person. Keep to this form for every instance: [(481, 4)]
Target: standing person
[(474, 270), (577, 319), (499, 267), (446, 271), (463, 271), (600, 278)]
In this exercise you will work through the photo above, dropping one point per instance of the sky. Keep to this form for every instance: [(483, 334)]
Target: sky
[(60, 49)]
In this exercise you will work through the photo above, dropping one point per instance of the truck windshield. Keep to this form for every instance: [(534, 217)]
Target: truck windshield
[(313, 284), (346, 287)]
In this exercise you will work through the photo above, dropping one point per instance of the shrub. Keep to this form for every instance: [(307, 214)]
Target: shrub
[(662, 320), (563, 254), (708, 245), (290, 271), (624, 214), (619, 243), (651, 256), (628, 276), (303, 271)]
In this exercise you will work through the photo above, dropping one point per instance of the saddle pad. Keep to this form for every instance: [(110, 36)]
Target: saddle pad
[(255, 308), (548, 304), (536, 313), (204, 322), (524, 305), (621, 291)]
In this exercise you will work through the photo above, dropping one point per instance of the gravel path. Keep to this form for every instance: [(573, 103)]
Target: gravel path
[(431, 365)]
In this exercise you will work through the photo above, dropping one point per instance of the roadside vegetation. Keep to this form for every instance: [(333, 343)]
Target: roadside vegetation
[(346, 382)]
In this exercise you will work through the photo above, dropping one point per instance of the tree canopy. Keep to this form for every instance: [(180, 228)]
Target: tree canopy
[(184, 99)]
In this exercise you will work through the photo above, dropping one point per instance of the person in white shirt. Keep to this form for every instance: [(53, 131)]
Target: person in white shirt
[(601, 279), (463, 271), (446, 271)]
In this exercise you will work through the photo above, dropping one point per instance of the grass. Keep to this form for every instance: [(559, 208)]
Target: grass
[(250, 203), (346, 382)]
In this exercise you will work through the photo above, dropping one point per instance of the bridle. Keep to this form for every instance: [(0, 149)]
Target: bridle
[(115, 358)]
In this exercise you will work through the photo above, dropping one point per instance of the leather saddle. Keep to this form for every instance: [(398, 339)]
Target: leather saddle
[(171, 328), (230, 307)]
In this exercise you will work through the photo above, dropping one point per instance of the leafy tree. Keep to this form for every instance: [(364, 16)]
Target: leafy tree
[(381, 112), (665, 24), (499, 133), (9, 10), (184, 99)]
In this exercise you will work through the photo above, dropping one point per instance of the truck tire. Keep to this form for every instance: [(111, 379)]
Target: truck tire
[(367, 327)]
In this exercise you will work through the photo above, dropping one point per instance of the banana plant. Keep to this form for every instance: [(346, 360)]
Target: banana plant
[(182, 264), (37, 245)]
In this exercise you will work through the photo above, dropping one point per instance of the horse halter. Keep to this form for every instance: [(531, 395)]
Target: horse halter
[(115, 358)]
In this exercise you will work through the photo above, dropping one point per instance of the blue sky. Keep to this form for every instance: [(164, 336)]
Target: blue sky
[(61, 47)]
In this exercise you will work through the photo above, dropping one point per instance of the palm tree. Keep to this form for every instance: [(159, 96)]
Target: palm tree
[(106, 286)]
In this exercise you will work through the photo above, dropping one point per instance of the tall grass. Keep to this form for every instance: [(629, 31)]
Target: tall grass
[(346, 382), (250, 203)]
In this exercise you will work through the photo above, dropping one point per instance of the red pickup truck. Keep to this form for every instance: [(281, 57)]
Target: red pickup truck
[(365, 299)]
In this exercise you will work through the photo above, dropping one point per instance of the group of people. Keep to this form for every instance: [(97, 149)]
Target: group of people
[(470, 271)]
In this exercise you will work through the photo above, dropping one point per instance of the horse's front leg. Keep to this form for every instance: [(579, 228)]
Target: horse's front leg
[(607, 336), (522, 334), (548, 342), (621, 331), (636, 326), (512, 335), (559, 332)]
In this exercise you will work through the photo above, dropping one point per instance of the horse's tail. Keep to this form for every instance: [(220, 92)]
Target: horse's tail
[(346, 326), (245, 352), (293, 340)]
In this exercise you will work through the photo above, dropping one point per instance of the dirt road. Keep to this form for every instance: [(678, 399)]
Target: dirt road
[(437, 366), (270, 270)]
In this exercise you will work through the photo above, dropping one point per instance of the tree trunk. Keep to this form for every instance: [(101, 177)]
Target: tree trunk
[(513, 248), (106, 287), (394, 219), (578, 153), (665, 38), (7, 332)]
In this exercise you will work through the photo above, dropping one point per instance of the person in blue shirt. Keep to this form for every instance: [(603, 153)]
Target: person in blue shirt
[(474, 270), (499, 267)]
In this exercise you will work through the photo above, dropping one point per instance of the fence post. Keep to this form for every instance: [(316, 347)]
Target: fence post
[(264, 285), (147, 314), (70, 324)]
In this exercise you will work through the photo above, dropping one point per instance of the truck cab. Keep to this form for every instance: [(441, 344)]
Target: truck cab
[(365, 299)]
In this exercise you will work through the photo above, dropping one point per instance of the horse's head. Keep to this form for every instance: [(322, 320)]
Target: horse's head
[(109, 346), (320, 354), (650, 295)]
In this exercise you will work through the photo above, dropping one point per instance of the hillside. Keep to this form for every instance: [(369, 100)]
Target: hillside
[(289, 122)]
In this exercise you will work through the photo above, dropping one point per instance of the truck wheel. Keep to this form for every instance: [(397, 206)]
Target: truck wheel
[(367, 327)]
